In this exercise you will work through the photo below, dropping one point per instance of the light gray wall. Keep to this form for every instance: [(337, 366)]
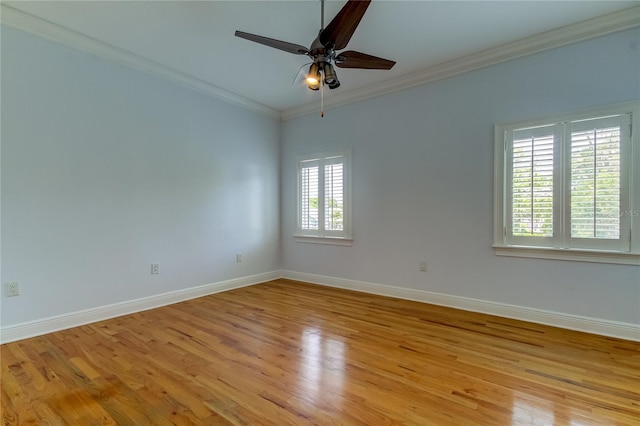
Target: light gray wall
[(106, 170), (423, 182)]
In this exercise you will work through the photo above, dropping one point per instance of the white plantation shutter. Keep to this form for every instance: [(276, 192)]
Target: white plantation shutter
[(334, 196), (323, 202), (566, 185), (532, 182), (309, 195), (596, 183)]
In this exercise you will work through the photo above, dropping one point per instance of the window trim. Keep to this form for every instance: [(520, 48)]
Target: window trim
[(343, 238), (500, 245)]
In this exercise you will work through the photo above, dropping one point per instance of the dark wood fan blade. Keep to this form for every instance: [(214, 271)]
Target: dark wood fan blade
[(352, 59), (341, 28), (296, 49)]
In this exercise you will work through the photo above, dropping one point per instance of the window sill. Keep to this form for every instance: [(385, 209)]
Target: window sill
[(576, 255), (334, 241)]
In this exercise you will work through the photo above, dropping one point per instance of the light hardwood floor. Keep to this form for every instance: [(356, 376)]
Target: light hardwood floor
[(288, 353)]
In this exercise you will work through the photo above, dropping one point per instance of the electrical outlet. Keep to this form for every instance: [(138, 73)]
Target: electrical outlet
[(13, 289), (155, 269), (239, 257), (423, 266)]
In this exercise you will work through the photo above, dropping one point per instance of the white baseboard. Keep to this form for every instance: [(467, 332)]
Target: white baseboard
[(74, 319), (621, 330)]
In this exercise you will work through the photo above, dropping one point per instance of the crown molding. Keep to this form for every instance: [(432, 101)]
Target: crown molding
[(585, 30), (60, 34), (596, 27)]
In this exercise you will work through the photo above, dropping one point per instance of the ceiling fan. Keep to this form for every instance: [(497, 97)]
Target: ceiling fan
[(324, 48)]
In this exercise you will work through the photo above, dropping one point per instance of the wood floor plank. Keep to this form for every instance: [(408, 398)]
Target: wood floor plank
[(289, 353)]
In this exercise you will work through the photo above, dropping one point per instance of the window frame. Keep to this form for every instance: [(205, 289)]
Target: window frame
[(321, 235), (562, 246)]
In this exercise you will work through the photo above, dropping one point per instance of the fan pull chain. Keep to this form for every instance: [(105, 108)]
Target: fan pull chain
[(322, 98)]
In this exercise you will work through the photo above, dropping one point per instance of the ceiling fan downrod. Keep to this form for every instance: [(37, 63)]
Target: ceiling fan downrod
[(321, 71)]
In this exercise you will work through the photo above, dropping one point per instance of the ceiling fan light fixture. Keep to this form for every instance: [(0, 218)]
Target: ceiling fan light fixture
[(330, 76), (313, 78)]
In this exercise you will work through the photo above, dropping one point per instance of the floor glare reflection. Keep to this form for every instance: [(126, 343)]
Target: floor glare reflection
[(524, 413), (534, 412), (322, 365)]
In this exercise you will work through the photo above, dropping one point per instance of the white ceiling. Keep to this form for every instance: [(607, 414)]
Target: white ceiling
[(196, 38)]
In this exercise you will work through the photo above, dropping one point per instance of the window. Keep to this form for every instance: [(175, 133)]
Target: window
[(323, 197), (566, 186)]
